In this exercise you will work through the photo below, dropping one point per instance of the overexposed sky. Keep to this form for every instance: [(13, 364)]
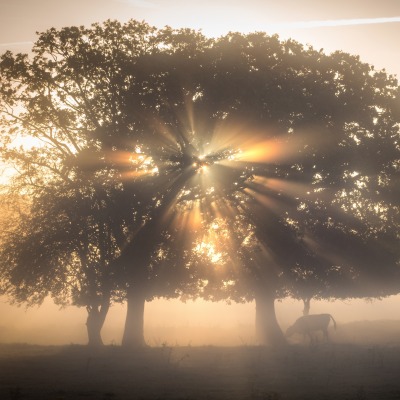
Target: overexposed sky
[(368, 28)]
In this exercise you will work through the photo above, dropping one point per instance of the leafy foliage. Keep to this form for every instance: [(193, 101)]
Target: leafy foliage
[(198, 167)]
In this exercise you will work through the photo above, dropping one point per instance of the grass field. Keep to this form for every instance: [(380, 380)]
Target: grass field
[(325, 371)]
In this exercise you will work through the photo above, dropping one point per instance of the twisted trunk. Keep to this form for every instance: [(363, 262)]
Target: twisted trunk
[(94, 323)]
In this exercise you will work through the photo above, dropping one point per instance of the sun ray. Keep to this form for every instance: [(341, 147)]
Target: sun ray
[(267, 201), (285, 148), (283, 186), (227, 170)]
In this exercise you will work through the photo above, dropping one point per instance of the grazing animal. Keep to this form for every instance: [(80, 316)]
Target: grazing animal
[(309, 323)]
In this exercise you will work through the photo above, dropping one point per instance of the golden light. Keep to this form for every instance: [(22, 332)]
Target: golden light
[(228, 157), (268, 145), (208, 250), (188, 217), (215, 226), (132, 164), (203, 168), (285, 186), (265, 200)]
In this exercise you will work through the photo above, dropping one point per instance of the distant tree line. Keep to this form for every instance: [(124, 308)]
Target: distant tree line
[(160, 163)]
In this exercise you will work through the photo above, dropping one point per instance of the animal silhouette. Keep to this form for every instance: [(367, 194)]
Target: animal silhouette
[(311, 323)]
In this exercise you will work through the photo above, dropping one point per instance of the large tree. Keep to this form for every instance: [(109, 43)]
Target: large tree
[(315, 138), (87, 103), (294, 150), (75, 219)]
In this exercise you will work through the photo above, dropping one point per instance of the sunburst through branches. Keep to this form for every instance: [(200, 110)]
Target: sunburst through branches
[(274, 179), (232, 174)]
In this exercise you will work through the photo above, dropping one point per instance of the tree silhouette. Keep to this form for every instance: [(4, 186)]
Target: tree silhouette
[(85, 99), (77, 219), (63, 241), (289, 153), (323, 117)]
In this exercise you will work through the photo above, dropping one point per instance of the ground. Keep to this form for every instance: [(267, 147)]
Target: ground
[(324, 371)]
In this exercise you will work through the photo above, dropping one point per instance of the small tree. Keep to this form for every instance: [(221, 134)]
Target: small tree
[(63, 246)]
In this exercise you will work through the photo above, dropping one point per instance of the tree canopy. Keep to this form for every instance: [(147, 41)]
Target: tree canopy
[(238, 168)]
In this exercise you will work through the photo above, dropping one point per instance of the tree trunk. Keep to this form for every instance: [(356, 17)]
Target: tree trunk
[(267, 328), (94, 324), (134, 323), (306, 309), (139, 250)]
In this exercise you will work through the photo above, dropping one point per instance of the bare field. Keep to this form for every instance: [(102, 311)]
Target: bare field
[(325, 371)]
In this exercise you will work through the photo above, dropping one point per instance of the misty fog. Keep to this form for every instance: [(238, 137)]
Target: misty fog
[(171, 322)]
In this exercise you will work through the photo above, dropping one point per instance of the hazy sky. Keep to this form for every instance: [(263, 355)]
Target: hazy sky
[(368, 28), (354, 26)]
